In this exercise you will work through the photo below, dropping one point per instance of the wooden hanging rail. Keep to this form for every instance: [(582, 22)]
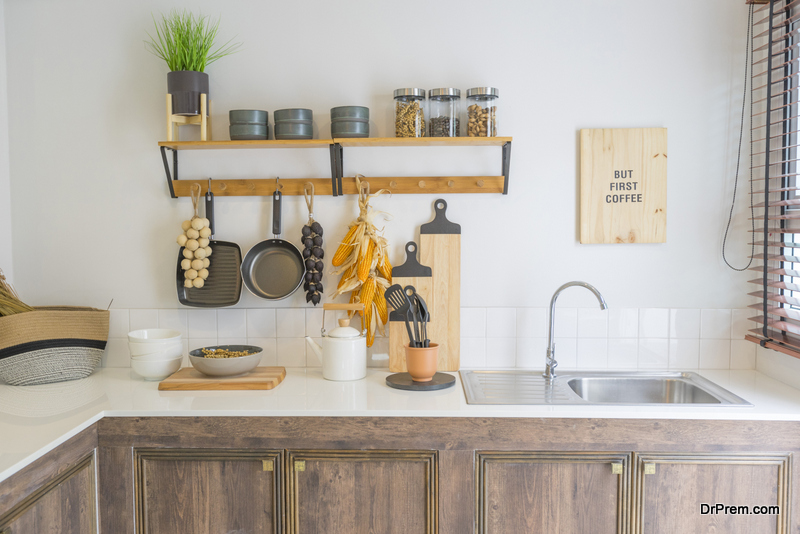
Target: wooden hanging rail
[(401, 185), (338, 184)]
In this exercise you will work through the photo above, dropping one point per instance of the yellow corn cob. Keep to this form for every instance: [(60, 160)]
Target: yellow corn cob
[(348, 274), (344, 248), (385, 268), (368, 325), (367, 293), (380, 305), (366, 261)]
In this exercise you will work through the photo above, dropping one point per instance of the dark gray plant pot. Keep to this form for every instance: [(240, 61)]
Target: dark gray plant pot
[(185, 87)]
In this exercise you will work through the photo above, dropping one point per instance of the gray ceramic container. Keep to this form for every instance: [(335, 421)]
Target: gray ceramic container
[(350, 121), (248, 124), (294, 123)]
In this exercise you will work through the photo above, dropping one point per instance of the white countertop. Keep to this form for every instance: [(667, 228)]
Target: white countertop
[(36, 419)]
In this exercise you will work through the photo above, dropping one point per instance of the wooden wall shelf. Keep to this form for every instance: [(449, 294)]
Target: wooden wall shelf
[(338, 185)]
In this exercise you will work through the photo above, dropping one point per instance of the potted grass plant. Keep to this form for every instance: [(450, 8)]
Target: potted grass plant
[(186, 42)]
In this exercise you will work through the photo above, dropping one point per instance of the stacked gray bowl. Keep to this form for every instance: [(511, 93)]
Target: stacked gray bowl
[(248, 124), (350, 121), (294, 123)]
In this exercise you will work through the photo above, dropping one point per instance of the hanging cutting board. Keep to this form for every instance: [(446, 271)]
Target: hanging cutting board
[(440, 247), (190, 379), (421, 277)]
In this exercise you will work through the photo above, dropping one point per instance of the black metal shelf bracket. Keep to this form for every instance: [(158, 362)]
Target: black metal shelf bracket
[(506, 164), (337, 169), (174, 168)]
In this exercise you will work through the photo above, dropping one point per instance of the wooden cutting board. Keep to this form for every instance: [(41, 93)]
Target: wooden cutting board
[(190, 379), (440, 248), (421, 277)]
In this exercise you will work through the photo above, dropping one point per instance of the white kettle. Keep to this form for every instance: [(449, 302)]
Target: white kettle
[(344, 350)]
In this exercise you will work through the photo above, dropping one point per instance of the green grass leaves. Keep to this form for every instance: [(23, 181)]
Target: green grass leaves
[(185, 41)]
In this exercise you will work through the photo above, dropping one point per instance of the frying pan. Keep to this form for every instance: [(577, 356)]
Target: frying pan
[(224, 284), (273, 269)]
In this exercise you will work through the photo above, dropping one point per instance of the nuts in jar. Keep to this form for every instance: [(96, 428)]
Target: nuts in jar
[(409, 112), (482, 111)]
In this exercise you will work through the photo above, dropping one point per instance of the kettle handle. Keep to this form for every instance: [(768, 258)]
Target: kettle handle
[(358, 306)]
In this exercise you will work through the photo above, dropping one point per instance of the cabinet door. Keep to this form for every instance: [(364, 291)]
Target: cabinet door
[(362, 492), (553, 492), (65, 506), (207, 492), (672, 489)]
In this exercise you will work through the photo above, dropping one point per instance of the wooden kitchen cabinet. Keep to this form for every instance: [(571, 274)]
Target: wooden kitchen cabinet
[(66, 505), (362, 492), (671, 488), (186, 491), (553, 492)]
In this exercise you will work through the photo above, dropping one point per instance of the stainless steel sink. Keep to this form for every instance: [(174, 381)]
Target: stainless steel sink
[(622, 388)]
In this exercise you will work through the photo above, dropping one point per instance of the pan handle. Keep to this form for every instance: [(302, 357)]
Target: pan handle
[(210, 211), (276, 214)]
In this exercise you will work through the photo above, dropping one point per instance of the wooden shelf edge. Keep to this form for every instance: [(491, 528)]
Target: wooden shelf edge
[(349, 142), (322, 186)]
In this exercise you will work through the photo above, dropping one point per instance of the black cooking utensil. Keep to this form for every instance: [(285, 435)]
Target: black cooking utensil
[(422, 312), (273, 269), (396, 297), (414, 312), (223, 287)]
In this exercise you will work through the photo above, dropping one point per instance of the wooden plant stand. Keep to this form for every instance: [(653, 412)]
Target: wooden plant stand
[(203, 120)]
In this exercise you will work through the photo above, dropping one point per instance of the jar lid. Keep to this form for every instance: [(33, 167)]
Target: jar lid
[(483, 91), (444, 92), (409, 91)]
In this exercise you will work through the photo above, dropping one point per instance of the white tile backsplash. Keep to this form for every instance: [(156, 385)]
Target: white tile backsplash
[(232, 323), (141, 319), (715, 353), (261, 322), (586, 338), (623, 323), (592, 323), (684, 324), (531, 322), (175, 320), (653, 323), (653, 353), (715, 324), (501, 322)]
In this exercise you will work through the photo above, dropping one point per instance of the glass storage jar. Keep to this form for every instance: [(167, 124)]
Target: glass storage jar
[(482, 111), (409, 112), (445, 104)]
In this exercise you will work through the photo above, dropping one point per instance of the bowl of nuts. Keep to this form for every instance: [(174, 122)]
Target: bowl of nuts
[(226, 360)]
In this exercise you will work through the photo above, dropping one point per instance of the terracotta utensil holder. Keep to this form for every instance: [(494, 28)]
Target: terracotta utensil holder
[(421, 362)]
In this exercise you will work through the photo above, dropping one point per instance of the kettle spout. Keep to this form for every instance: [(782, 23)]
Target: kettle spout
[(316, 347)]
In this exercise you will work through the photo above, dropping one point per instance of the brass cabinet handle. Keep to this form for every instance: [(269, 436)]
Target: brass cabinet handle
[(300, 465), (267, 465), (649, 468), (616, 468)]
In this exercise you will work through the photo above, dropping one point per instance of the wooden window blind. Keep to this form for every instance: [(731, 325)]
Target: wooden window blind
[(774, 123)]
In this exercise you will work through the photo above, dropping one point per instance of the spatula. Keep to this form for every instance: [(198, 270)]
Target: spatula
[(422, 311), (397, 299)]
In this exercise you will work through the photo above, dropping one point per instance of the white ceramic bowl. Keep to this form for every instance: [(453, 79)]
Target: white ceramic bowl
[(156, 370), (170, 353), (154, 335), (226, 366), (141, 349)]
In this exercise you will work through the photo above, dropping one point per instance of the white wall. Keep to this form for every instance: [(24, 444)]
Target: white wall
[(6, 263), (93, 221)]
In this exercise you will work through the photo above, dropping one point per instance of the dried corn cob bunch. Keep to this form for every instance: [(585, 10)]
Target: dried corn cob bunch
[(363, 262)]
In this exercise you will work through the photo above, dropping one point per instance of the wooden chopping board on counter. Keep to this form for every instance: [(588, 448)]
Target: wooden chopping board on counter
[(421, 277), (190, 379), (440, 247)]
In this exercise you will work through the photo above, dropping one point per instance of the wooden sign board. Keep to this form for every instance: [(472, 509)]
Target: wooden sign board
[(624, 185)]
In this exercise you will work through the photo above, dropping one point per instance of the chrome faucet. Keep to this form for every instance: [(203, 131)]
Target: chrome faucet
[(550, 367)]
